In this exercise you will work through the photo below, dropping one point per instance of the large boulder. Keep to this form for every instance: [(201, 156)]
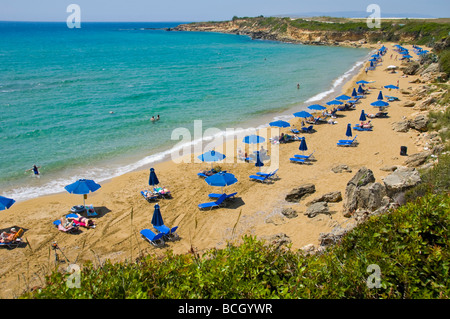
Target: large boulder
[(420, 123), (317, 208), (363, 177), (300, 192), (417, 159), (331, 197), (402, 179), (370, 196)]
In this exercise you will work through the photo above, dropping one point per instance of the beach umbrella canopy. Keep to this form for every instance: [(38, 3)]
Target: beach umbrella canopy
[(302, 114), (362, 82), (221, 179), (6, 202), (280, 123), (82, 187), (343, 97), (379, 103), (316, 107), (392, 67), (354, 93), (253, 139), (211, 156), (362, 117), (303, 147), (334, 102), (390, 86), (157, 219), (348, 133), (153, 179), (380, 96)]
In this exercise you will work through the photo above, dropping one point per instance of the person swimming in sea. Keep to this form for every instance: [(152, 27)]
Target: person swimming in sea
[(35, 170), (153, 119)]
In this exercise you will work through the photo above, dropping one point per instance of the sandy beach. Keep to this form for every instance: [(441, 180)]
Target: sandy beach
[(123, 212)]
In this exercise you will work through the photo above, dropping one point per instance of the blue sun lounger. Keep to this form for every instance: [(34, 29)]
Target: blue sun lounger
[(154, 239), (149, 196), (214, 195), (308, 129), (212, 205), (347, 142), (168, 233), (295, 131), (305, 157), (358, 128), (266, 174), (297, 160), (262, 179)]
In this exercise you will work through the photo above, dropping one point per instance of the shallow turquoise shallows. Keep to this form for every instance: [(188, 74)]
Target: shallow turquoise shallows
[(78, 102)]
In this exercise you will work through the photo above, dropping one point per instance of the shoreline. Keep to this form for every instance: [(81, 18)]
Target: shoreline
[(256, 210), (114, 168)]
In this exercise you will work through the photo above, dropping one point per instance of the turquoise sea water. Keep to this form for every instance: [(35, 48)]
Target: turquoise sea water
[(78, 102)]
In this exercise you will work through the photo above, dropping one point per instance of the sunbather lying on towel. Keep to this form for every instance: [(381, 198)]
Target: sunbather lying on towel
[(82, 221), (148, 194), (66, 225), (162, 190)]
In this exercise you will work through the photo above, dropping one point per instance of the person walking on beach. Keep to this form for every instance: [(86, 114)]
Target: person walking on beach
[(35, 170)]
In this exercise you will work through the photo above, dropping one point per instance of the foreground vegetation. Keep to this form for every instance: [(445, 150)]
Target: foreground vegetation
[(409, 246)]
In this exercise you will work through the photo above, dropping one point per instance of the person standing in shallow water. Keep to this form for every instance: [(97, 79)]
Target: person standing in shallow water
[(35, 170)]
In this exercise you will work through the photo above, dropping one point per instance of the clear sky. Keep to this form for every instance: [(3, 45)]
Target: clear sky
[(203, 10)]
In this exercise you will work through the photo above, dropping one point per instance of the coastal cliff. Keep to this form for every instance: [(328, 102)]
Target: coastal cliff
[(348, 33)]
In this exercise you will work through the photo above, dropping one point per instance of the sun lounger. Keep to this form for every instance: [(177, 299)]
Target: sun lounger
[(308, 129), (154, 239), (168, 233), (295, 131), (274, 173), (297, 160), (305, 157), (13, 241), (359, 128), (214, 195), (347, 142), (162, 192), (263, 179), (149, 196), (212, 205)]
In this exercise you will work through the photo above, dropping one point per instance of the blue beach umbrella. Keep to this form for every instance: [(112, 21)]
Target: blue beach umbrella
[(360, 89), (362, 82), (362, 117), (157, 219), (280, 123), (82, 187), (354, 93), (153, 180), (343, 97), (390, 86), (253, 139), (221, 179), (348, 133), (380, 96), (302, 114), (211, 156), (316, 107), (334, 102), (303, 147), (379, 103), (258, 162), (6, 202)]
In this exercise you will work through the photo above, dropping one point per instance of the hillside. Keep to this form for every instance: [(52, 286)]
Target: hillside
[(320, 31)]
